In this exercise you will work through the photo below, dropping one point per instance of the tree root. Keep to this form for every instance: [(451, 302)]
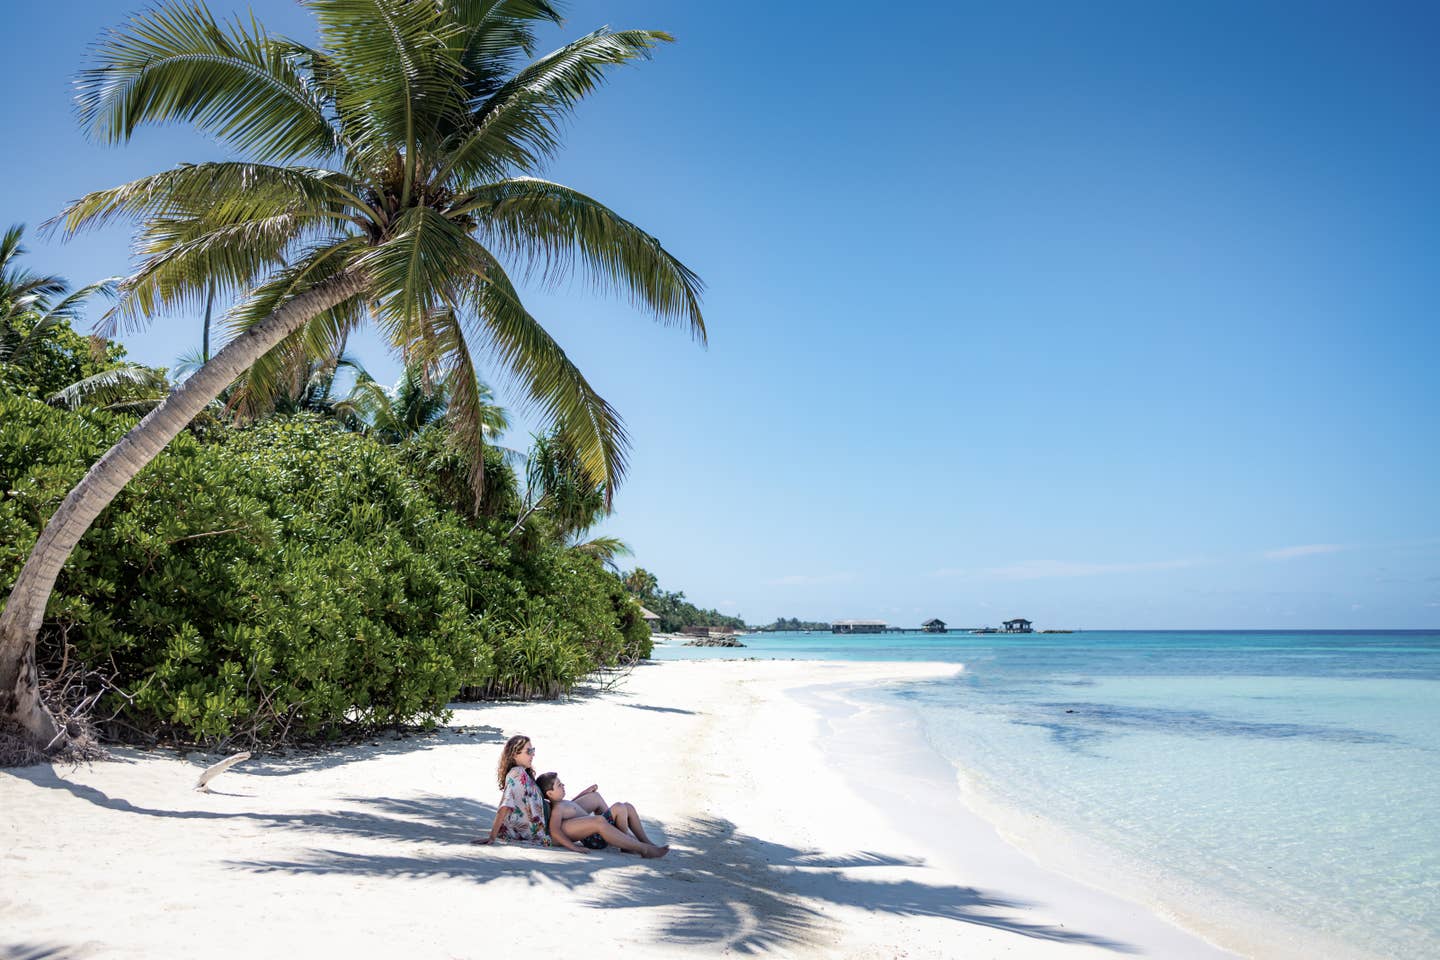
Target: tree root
[(71, 694), (17, 749)]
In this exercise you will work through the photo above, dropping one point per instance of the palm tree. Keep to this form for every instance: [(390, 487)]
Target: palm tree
[(21, 290), (560, 489), (641, 582), (34, 296), (389, 172), (415, 402)]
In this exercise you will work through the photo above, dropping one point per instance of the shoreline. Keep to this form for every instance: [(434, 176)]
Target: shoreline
[(777, 846), (1219, 917), (976, 847)]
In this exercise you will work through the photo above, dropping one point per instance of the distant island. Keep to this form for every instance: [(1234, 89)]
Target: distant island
[(933, 625), (792, 624)]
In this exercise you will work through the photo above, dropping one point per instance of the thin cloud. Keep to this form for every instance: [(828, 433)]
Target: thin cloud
[(1060, 569), (809, 579), (1303, 550)]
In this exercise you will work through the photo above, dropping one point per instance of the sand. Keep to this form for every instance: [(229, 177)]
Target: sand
[(803, 822)]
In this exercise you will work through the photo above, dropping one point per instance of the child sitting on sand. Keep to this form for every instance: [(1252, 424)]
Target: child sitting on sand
[(572, 825)]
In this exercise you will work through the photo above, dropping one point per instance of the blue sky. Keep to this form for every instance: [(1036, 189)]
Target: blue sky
[(1104, 315)]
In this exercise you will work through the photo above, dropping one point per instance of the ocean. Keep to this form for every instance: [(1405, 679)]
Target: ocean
[(1246, 777)]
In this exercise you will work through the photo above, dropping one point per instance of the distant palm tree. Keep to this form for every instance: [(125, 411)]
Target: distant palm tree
[(21, 290), (562, 502), (641, 582), (43, 299), (310, 387), (414, 403), (390, 172)]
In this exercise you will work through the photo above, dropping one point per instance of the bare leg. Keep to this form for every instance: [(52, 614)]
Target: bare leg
[(627, 819), (593, 803), (578, 828)]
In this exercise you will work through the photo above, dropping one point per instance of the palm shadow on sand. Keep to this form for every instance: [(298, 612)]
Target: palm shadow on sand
[(719, 888)]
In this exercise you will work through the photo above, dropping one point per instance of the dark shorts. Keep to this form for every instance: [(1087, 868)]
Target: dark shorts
[(595, 841)]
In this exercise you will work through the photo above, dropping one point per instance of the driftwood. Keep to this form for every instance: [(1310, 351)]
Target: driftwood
[(212, 772)]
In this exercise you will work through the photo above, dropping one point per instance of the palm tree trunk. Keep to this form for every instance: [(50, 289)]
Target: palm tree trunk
[(205, 340), (25, 609)]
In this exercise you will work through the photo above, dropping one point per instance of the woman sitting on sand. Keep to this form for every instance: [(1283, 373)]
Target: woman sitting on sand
[(521, 815)]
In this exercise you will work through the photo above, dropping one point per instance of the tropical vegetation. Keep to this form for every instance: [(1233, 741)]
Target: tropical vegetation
[(391, 173), (794, 623), (294, 578), (675, 612)]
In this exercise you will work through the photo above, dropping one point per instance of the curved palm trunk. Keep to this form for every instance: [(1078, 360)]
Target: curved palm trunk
[(20, 620)]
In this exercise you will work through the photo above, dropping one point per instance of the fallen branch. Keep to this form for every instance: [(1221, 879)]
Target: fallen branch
[(212, 772)]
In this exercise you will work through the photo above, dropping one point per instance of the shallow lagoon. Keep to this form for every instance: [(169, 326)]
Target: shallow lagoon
[(1291, 773)]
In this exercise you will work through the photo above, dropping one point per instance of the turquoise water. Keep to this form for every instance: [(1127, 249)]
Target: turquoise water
[(1297, 773)]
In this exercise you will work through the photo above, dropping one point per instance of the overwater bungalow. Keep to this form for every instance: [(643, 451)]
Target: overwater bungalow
[(858, 626), (933, 625), (1018, 626)]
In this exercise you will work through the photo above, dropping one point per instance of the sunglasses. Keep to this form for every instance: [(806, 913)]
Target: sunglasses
[(529, 750)]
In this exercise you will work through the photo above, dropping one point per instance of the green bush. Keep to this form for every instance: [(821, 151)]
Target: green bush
[(638, 645), (533, 659), (56, 359), (293, 580)]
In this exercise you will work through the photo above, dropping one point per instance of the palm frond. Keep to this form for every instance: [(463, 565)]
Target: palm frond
[(68, 308), (257, 389), (556, 389), (212, 226), (187, 363), (553, 227), (220, 193), (493, 35), (185, 271), (402, 77), (21, 290), (605, 549), (413, 270), (520, 123), (465, 415), (14, 344), (127, 384), (177, 63)]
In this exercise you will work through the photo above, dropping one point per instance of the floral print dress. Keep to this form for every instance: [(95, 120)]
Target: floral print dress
[(526, 820)]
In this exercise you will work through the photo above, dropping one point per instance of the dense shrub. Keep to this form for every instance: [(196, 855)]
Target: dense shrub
[(292, 579), (638, 645), (53, 360)]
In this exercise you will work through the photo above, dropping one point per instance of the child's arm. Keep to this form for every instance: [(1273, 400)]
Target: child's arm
[(590, 789), (557, 831)]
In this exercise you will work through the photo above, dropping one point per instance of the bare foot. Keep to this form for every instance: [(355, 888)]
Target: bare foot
[(654, 852)]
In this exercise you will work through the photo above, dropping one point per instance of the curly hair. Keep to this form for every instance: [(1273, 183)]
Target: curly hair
[(513, 746)]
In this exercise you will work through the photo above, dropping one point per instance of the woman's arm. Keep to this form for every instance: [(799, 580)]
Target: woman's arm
[(557, 833), (500, 816)]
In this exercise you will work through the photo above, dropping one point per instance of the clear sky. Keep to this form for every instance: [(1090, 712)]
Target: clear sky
[(1104, 315)]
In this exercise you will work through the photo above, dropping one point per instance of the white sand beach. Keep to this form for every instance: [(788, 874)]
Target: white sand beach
[(801, 826)]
